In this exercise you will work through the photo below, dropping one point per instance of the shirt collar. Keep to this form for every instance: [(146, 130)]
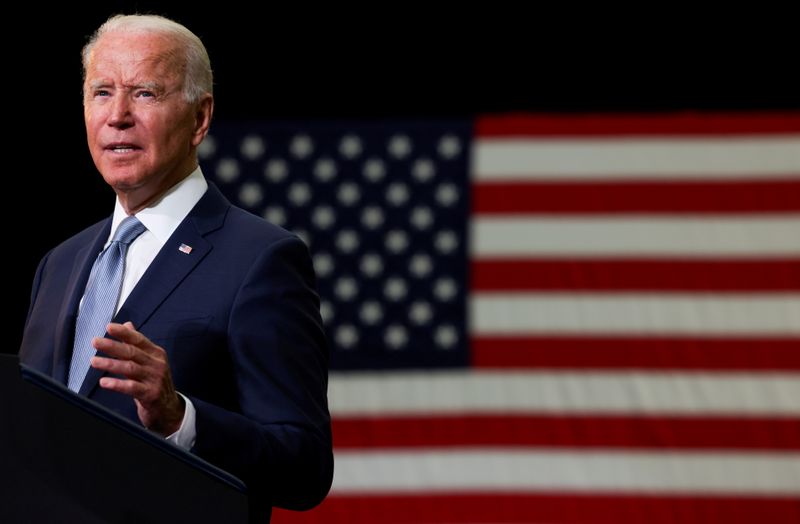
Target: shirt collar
[(164, 216)]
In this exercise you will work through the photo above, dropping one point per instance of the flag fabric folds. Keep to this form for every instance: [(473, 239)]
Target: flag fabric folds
[(547, 318)]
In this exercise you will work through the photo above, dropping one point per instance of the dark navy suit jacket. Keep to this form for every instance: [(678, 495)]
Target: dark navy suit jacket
[(239, 319)]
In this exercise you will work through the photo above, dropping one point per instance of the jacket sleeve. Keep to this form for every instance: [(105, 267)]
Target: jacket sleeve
[(280, 443), (37, 281)]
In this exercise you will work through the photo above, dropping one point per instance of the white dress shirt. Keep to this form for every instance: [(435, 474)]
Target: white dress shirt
[(161, 219)]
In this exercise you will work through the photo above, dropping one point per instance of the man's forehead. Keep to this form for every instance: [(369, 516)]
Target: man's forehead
[(138, 50), (133, 68), (136, 39), (107, 74), (132, 84)]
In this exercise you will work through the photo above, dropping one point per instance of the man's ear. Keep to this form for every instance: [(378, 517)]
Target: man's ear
[(205, 110)]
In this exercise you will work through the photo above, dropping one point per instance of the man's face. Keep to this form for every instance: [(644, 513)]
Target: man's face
[(141, 131)]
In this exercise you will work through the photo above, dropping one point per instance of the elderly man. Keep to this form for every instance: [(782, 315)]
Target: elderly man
[(214, 338)]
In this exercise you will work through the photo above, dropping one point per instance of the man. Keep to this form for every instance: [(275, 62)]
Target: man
[(216, 341)]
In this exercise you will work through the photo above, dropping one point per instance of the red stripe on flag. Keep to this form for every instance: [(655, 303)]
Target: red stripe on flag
[(638, 125), (553, 508), (751, 354), (632, 197), (566, 431), (635, 275)]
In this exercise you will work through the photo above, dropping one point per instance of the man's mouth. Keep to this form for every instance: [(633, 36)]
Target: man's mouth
[(122, 148)]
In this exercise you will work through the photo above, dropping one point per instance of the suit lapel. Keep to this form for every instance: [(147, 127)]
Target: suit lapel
[(76, 285), (169, 268)]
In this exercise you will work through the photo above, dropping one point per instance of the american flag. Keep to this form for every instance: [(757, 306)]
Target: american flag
[(547, 318)]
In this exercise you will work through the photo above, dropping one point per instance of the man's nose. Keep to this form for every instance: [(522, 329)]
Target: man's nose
[(120, 115)]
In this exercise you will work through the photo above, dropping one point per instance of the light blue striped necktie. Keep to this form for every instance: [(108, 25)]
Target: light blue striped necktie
[(100, 300)]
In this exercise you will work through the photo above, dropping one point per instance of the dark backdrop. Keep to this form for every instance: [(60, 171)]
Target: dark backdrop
[(372, 62)]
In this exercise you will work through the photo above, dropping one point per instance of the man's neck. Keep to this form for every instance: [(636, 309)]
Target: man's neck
[(137, 199)]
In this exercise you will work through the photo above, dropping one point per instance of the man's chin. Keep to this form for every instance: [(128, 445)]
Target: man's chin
[(123, 181)]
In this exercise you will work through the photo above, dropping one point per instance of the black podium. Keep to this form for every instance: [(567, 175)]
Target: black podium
[(64, 458)]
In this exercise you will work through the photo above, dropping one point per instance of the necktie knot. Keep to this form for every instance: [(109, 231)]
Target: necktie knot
[(128, 230)]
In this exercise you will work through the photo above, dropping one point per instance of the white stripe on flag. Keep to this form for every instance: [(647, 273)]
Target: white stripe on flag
[(752, 236), (636, 158), (572, 470), (635, 314), (442, 392)]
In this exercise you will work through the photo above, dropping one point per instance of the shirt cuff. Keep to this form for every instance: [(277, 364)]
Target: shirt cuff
[(185, 436)]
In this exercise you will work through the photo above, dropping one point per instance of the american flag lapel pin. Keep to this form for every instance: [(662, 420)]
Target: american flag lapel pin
[(185, 249)]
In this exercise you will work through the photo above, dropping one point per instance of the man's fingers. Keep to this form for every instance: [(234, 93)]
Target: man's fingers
[(134, 381), (119, 350), (127, 333), (128, 387), (126, 368), (144, 374), (145, 394)]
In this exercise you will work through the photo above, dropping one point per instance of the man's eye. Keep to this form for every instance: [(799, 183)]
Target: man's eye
[(146, 94), (101, 92)]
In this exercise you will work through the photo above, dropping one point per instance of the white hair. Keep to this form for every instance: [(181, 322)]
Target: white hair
[(198, 79)]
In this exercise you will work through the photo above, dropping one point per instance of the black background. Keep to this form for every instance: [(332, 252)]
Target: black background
[(374, 61)]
